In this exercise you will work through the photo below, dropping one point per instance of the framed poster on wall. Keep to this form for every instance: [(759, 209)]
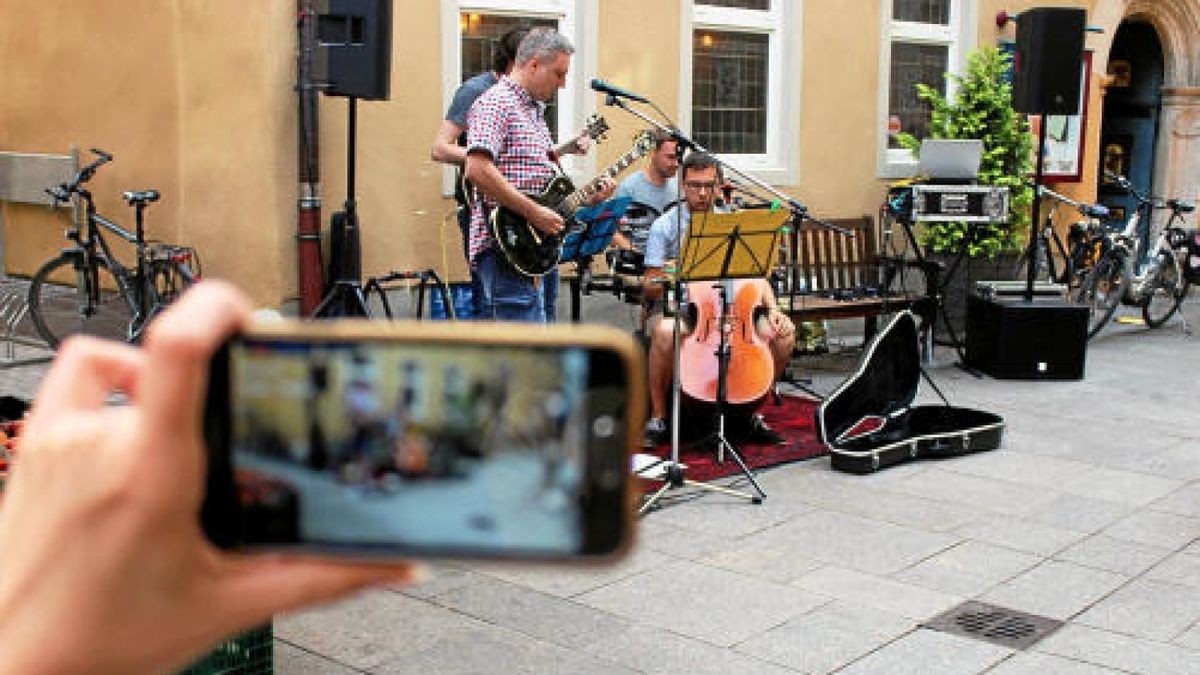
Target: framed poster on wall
[(1063, 158)]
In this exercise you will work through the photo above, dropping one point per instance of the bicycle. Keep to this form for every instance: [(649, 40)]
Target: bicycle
[(1157, 284), (85, 288), (1076, 256)]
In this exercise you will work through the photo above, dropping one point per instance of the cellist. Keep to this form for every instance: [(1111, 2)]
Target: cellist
[(701, 177)]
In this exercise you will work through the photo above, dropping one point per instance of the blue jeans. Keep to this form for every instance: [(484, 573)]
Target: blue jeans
[(507, 294), (550, 295)]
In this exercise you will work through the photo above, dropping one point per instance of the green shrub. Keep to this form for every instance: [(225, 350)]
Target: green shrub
[(982, 108)]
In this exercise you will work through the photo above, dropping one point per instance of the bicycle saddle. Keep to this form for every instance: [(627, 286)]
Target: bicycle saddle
[(1095, 210), (140, 196), (1181, 206)]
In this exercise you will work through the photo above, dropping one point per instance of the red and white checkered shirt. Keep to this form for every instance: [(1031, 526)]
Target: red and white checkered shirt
[(508, 124)]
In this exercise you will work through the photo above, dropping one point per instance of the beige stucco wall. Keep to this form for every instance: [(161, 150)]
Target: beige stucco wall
[(191, 97), (196, 98)]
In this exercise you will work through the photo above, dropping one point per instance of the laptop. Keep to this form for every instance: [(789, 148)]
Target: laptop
[(950, 160)]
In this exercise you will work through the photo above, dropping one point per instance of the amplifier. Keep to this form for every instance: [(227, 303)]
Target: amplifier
[(1011, 339), (960, 203)]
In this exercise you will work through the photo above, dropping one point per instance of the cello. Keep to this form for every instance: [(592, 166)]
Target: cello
[(728, 307)]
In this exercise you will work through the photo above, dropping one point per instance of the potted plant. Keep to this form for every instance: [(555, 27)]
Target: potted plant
[(981, 108)]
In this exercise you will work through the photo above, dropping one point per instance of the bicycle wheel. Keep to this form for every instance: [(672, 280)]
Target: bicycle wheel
[(1101, 291), (1164, 297), (167, 281), (59, 304)]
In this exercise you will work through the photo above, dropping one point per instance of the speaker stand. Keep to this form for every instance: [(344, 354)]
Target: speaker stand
[(346, 297)]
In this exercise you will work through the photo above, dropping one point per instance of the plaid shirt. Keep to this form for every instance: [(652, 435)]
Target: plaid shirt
[(507, 124)]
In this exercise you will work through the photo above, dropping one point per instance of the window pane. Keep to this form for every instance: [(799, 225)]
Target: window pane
[(922, 11), (480, 37), (740, 4), (729, 91), (912, 64)]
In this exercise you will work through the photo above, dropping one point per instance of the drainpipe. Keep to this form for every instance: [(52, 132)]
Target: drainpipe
[(308, 227)]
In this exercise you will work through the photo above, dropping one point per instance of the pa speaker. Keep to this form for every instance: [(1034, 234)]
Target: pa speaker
[(1011, 339), (354, 50), (1048, 60)]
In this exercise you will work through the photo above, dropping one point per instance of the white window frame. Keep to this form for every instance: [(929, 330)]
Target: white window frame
[(958, 35), (782, 25), (577, 20)]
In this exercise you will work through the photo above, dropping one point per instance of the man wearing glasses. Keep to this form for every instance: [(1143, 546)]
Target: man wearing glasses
[(701, 176)]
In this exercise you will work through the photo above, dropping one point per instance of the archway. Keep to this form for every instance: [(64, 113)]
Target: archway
[(1132, 110), (1176, 24)]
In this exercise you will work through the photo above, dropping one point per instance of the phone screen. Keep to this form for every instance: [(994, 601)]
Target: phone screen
[(413, 448)]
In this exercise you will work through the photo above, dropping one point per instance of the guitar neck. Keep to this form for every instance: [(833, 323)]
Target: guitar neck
[(577, 198)]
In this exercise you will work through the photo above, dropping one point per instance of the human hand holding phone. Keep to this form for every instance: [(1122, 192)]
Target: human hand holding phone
[(101, 546)]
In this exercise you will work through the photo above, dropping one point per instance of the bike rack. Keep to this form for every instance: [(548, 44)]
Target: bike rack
[(14, 307)]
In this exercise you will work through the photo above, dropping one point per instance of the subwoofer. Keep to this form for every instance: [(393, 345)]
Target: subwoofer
[(1049, 57), (354, 50), (1011, 339)]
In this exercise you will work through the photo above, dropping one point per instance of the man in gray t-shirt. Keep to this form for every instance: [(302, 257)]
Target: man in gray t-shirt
[(654, 186)]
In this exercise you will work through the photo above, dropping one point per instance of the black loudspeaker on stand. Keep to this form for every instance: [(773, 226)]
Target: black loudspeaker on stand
[(354, 61), (1026, 338), (1049, 56)]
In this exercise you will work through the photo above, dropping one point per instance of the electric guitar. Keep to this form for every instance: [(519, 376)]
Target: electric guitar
[(535, 253), (596, 129)]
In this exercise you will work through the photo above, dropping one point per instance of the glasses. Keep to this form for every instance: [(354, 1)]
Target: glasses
[(698, 185)]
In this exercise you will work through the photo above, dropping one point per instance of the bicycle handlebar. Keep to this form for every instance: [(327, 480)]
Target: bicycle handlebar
[(1089, 210), (63, 191), (1143, 198)]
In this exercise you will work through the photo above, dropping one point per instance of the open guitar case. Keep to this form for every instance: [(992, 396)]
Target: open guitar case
[(869, 422)]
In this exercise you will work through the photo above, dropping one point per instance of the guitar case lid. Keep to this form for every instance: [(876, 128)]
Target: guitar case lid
[(883, 386)]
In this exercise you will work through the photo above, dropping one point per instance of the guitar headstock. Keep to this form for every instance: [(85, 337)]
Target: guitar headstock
[(597, 128), (643, 141)]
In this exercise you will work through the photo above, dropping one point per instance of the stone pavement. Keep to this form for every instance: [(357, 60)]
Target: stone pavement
[(1089, 513)]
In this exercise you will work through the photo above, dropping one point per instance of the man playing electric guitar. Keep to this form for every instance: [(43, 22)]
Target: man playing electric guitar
[(509, 156), (701, 176), (449, 144)]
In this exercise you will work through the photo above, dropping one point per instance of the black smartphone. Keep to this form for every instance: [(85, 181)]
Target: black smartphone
[(383, 439)]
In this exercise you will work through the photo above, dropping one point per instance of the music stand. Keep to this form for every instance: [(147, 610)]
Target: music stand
[(597, 225), (719, 246)]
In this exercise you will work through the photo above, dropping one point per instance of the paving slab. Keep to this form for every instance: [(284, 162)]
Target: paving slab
[(1033, 663), (927, 652), (828, 638), (860, 588), (1113, 555), (968, 569), (1121, 652), (1055, 589), (707, 603), (1146, 608)]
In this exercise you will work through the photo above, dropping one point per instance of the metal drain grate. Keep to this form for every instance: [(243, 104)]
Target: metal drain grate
[(998, 625)]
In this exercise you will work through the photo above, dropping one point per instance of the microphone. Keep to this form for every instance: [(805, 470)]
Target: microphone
[(613, 90)]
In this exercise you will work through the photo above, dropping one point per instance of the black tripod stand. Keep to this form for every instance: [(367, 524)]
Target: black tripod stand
[(345, 296), (724, 351)]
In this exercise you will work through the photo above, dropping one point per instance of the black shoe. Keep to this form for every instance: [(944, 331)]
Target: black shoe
[(761, 434), (655, 433)]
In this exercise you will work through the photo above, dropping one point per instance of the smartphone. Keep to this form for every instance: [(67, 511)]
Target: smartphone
[(423, 439)]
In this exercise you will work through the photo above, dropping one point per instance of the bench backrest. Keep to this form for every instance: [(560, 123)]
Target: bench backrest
[(829, 260)]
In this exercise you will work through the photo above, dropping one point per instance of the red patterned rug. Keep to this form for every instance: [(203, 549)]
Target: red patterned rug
[(794, 419)]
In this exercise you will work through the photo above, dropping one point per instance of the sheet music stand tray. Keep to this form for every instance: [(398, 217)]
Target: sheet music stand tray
[(718, 246)]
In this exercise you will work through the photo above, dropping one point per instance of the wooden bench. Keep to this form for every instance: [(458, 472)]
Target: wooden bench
[(838, 277)]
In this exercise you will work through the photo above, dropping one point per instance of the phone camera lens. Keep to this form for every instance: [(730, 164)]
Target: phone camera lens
[(603, 426)]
